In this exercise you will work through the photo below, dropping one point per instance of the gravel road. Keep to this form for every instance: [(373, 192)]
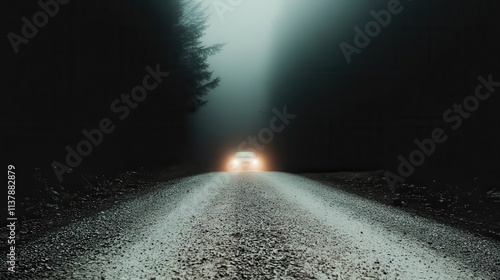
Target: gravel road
[(257, 225)]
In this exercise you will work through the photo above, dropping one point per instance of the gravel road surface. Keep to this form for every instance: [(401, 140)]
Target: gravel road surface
[(257, 225)]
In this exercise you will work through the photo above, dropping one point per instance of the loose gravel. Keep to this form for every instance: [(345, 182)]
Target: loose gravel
[(253, 225)]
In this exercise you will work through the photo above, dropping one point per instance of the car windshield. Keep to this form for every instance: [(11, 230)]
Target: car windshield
[(245, 155)]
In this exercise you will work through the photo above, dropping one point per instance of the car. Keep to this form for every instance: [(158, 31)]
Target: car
[(244, 160)]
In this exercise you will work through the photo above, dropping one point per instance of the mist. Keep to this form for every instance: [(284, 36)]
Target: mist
[(239, 106), (358, 111), (249, 139)]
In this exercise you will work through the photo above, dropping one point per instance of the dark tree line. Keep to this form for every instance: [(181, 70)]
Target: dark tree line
[(65, 79), (363, 115)]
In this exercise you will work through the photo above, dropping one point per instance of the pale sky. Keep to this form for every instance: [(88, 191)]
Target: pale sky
[(248, 30)]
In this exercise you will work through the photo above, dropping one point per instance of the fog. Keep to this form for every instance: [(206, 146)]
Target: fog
[(265, 41), (237, 107), (357, 110)]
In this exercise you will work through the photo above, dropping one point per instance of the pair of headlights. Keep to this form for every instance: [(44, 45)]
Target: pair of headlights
[(237, 161)]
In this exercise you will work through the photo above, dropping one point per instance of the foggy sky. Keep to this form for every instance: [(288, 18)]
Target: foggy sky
[(234, 109), (363, 114)]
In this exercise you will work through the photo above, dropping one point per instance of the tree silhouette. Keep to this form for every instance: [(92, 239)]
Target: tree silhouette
[(194, 54), (90, 53)]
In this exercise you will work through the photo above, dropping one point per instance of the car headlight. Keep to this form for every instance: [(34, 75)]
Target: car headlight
[(236, 162), (255, 161)]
